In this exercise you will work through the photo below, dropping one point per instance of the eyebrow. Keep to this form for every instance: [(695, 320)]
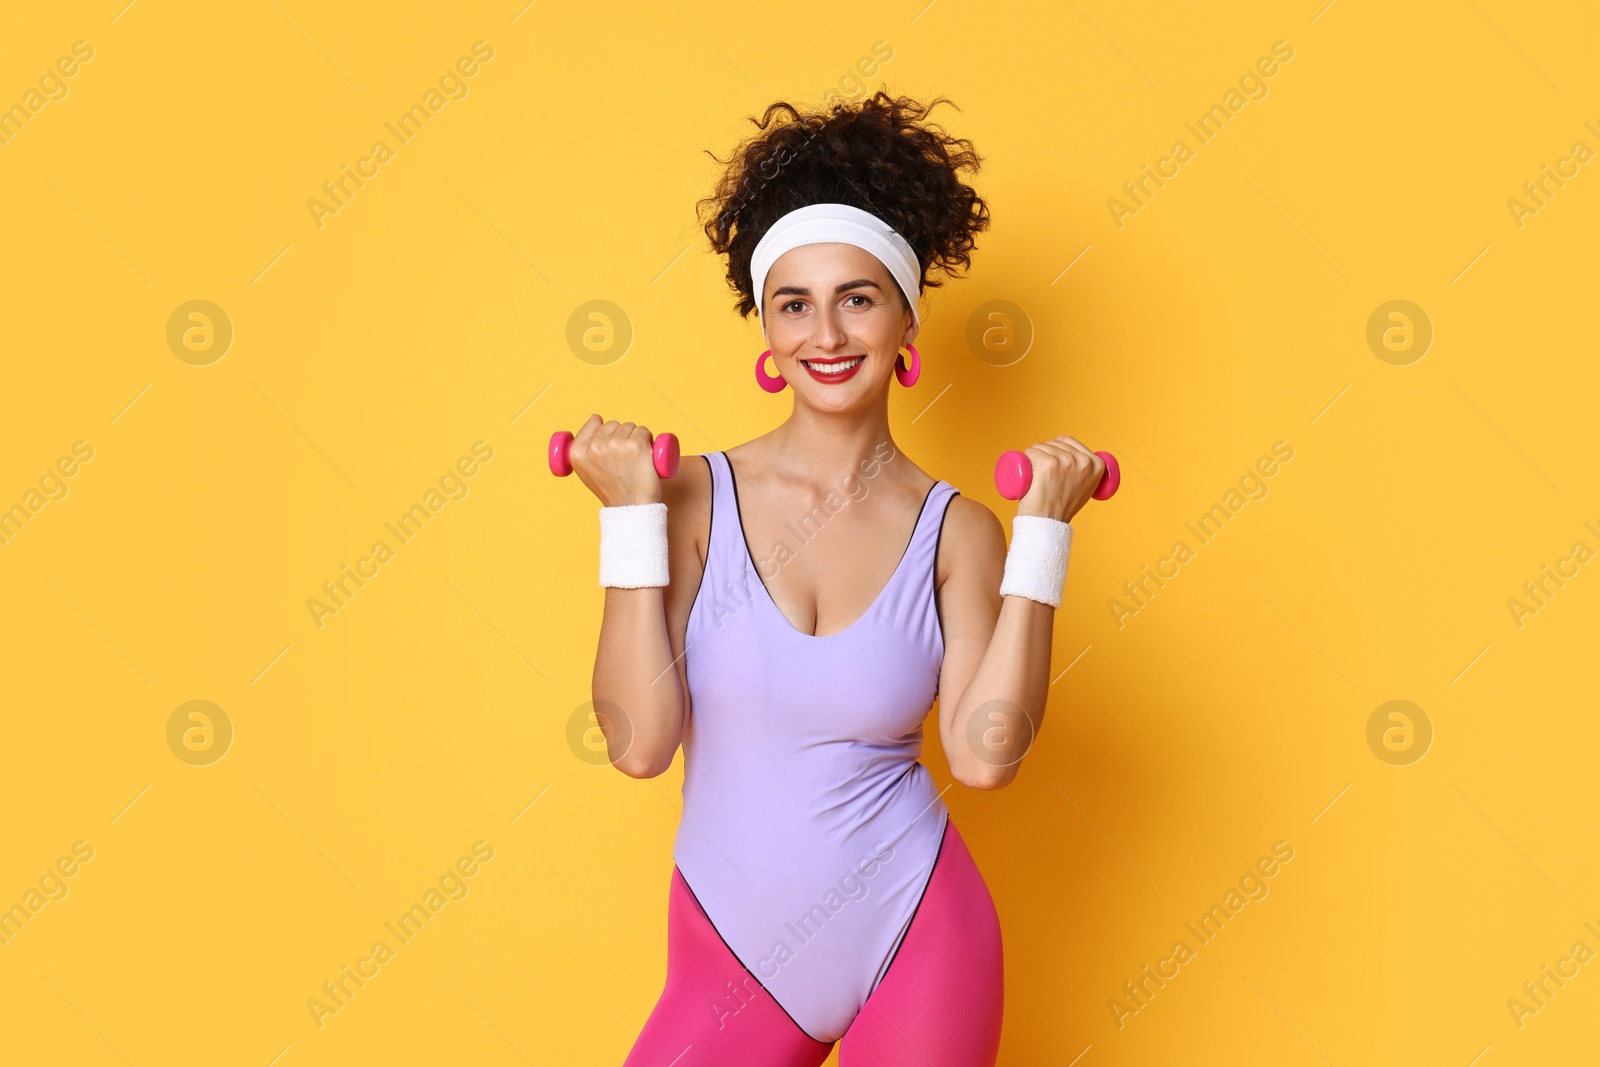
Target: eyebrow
[(796, 290)]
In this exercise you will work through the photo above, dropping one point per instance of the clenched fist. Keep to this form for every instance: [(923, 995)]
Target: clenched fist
[(615, 460), (1066, 472)]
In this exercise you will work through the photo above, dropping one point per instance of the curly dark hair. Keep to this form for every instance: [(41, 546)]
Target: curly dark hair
[(878, 155)]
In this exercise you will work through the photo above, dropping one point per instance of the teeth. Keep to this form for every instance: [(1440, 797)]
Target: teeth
[(834, 368)]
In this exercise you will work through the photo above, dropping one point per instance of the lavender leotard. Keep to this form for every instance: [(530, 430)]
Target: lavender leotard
[(809, 829)]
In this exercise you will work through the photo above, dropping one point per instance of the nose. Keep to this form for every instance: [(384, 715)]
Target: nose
[(830, 332)]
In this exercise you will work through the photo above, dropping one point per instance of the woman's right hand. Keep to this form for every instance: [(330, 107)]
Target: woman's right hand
[(615, 460)]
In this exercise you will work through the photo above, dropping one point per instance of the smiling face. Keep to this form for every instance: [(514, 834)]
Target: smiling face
[(834, 304)]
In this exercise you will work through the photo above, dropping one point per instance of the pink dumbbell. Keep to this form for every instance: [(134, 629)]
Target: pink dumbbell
[(664, 452), (1013, 473)]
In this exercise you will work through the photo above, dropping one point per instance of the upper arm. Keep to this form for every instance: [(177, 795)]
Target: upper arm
[(970, 564), (688, 499)]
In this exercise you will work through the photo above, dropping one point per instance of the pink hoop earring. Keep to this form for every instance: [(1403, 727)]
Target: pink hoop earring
[(908, 376), (773, 383)]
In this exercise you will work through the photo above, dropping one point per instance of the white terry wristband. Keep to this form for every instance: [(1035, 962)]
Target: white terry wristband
[(1036, 562), (633, 545)]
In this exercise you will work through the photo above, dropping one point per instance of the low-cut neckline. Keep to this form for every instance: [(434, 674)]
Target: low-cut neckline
[(738, 522)]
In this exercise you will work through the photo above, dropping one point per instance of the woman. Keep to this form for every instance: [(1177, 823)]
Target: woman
[(820, 891)]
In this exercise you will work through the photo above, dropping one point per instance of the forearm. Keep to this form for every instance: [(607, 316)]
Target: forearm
[(636, 683), (1001, 711)]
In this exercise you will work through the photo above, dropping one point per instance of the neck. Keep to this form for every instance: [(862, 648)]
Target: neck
[(824, 446)]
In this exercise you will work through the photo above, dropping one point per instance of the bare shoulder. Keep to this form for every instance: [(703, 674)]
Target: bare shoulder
[(692, 483), (687, 495), (972, 536)]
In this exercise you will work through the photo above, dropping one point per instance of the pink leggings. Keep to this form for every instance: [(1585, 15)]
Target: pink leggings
[(939, 1003)]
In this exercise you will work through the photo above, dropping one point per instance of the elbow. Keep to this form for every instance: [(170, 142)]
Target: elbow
[(642, 767), (986, 777), (645, 761), (645, 753)]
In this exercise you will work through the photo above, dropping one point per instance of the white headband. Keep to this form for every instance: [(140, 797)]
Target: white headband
[(823, 223)]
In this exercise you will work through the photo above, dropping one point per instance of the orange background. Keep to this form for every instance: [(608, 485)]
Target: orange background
[(362, 758)]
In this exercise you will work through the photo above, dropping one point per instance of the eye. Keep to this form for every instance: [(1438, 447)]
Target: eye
[(792, 303), (860, 296)]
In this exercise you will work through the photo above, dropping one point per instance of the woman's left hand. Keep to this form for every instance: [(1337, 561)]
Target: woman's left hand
[(1066, 472)]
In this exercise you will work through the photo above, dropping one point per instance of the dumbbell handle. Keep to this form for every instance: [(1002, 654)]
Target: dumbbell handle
[(664, 453), (1013, 474)]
